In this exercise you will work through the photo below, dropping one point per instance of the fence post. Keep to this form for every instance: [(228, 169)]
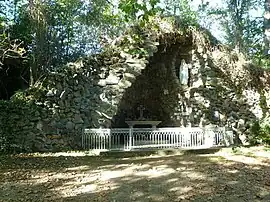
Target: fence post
[(110, 140), (83, 135), (130, 137), (209, 137), (228, 137), (224, 136)]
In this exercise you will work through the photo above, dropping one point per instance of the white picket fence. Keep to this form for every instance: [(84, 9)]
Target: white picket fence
[(146, 138)]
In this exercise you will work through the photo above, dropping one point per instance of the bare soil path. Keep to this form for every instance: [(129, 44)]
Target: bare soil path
[(221, 176)]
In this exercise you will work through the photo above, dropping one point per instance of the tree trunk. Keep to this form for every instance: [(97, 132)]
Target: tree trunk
[(33, 73), (267, 27), (39, 47)]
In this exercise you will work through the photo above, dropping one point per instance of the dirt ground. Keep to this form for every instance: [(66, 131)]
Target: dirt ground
[(191, 176)]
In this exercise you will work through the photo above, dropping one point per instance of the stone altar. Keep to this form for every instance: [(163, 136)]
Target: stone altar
[(142, 121)]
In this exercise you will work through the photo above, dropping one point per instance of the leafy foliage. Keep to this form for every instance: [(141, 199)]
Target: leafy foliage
[(260, 131), (183, 11), (133, 10)]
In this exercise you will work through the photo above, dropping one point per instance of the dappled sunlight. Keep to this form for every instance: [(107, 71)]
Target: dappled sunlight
[(181, 190), (232, 182), (167, 178), (172, 180), (194, 175), (247, 159), (107, 175), (81, 168), (187, 162), (87, 188), (233, 171), (155, 173)]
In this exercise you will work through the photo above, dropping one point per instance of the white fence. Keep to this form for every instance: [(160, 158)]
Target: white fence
[(145, 138)]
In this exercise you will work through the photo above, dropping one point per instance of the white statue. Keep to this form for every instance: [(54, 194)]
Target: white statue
[(183, 72)]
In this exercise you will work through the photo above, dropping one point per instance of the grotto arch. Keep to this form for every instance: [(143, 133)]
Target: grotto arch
[(157, 88)]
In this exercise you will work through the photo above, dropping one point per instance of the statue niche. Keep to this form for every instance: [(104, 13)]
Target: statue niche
[(184, 73)]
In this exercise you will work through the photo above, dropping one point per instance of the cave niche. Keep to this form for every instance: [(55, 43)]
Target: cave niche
[(157, 88)]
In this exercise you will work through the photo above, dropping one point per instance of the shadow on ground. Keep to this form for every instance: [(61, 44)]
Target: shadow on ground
[(175, 177)]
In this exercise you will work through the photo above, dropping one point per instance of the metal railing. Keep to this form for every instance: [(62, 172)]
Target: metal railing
[(146, 138)]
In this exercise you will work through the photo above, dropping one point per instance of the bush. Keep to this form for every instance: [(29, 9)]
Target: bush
[(260, 132)]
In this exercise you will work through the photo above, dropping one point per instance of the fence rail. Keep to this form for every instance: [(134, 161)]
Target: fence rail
[(146, 138)]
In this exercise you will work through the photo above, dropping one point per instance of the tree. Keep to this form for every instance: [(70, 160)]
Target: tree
[(182, 10), (242, 26), (56, 26), (13, 61), (53, 32), (267, 27), (239, 24)]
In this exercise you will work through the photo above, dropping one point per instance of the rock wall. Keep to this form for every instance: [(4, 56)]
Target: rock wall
[(18, 126), (104, 90), (223, 89), (80, 95)]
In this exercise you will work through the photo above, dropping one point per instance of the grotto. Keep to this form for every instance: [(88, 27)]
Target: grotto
[(182, 78)]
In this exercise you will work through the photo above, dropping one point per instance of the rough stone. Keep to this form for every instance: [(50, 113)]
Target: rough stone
[(78, 119), (102, 83), (50, 93), (70, 125), (112, 79), (39, 126)]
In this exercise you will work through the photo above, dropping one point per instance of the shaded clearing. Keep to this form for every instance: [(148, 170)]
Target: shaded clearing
[(188, 177)]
